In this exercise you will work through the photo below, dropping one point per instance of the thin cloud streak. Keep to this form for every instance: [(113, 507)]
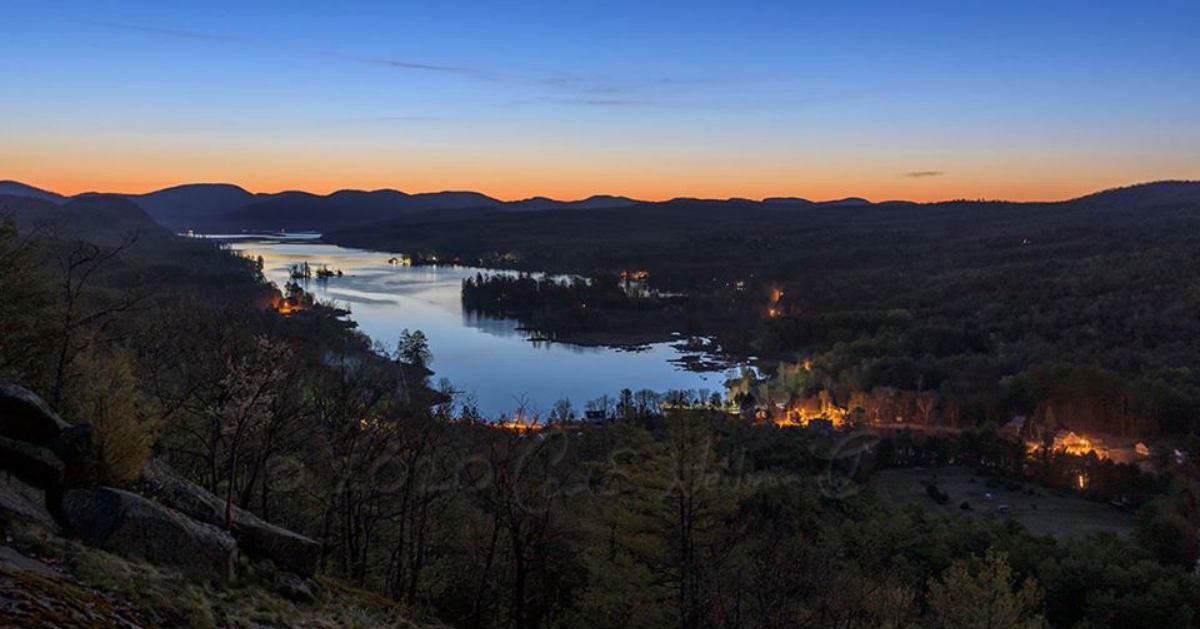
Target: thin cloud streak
[(577, 90), (402, 64), (921, 174), (582, 102), (166, 32), (598, 84), (749, 102)]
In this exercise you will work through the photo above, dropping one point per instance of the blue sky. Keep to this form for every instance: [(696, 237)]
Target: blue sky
[(653, 99)]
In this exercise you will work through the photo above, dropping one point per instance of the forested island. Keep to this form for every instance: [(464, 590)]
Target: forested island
[(602, 309)]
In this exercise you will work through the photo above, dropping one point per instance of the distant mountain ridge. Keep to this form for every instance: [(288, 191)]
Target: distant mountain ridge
[(100, 218), (182, 206), (220, 206), (303, 210), (594, 202), (1144, 194), (209, 206), (18, 189)]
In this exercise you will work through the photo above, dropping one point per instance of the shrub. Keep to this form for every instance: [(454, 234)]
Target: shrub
[(106, 394)]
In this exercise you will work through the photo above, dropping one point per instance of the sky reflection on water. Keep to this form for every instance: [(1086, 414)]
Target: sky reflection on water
[(488, 358)]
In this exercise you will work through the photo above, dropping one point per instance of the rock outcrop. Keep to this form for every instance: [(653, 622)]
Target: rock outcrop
[(23, 506), (130, 525), (293, 588), (31, 463), (26, 417), (257, 537), (29, 468), (181, 524)]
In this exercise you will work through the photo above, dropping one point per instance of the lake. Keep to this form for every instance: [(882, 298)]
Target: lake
[(489, 359)]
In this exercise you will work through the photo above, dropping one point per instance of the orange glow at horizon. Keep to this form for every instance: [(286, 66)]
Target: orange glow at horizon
[(69, 184), (524, 174)]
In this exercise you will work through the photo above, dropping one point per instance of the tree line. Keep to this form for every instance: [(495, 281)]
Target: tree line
[(674, 513)]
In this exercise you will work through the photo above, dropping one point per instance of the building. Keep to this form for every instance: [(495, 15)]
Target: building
[(1071, 443), (1015, 427)]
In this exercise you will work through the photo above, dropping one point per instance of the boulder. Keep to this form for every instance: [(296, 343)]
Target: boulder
[(289, 550), (74, 443), (293, 588), (31, 463), (23, 507), (25, 417), (15, 562), (130, 525)]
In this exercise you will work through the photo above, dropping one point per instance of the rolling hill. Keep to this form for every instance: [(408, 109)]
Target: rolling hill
[(181, 207), (708, 235), (100, 218), (219, 206), (18, 189), (347, 208), (226, 207)]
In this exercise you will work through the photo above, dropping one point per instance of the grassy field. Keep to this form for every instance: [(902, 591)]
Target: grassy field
[(1035, 507)]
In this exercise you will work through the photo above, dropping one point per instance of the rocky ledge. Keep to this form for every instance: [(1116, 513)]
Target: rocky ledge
[(165, 520)]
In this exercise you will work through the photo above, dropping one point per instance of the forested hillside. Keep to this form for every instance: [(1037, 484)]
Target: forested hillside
[(1087, 302)]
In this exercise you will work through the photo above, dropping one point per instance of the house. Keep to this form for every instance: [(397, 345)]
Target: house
[(1071, 443), (1014, 428), (595, 417), (1064, 437)]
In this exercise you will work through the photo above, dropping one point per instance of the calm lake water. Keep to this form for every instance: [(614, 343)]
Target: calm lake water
[(487, 358)]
